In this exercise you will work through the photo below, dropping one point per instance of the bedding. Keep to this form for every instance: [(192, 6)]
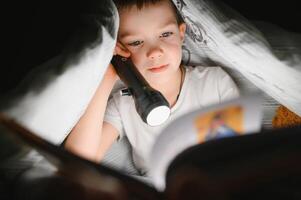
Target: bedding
[(54, 95), (227, 38)]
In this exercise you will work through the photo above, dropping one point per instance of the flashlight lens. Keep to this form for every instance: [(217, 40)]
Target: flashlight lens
[(158, 115)]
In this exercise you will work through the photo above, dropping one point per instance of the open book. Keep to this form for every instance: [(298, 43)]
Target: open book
[(232, 118), (235, 117)]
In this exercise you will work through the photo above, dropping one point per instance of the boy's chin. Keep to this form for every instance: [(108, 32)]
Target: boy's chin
[(157, 79)]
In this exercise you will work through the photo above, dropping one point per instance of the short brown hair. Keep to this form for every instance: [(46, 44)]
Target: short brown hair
[(124, 4)]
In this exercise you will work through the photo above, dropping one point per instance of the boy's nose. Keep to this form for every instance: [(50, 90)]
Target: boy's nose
[(154, 53)]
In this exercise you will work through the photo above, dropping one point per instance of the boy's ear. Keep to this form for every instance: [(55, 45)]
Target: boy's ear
[(182, 29)]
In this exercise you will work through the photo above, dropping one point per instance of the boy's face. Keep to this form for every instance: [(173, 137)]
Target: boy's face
[(154, 39)]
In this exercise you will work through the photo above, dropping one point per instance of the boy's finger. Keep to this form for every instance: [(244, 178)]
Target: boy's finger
[(122, 50)]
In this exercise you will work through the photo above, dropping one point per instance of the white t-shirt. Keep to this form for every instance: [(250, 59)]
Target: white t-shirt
[(202, 86)]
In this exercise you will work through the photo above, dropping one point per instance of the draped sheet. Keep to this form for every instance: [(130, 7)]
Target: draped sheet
[(54, 95), (219, 33)]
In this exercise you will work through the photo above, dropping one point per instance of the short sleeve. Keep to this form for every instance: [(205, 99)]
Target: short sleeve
[(112, 116), (226, 86)]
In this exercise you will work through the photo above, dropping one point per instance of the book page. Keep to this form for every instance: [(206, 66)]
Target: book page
[(239, 116)]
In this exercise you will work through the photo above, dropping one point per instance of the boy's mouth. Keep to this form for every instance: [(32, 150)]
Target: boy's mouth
[(157, 69)]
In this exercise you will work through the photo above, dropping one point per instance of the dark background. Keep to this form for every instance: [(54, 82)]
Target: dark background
[(35, 31)]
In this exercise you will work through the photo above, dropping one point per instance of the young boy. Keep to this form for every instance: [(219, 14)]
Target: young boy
[(151, 33)]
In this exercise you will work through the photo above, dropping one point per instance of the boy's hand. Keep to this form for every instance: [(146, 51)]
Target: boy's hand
[(119, 50)]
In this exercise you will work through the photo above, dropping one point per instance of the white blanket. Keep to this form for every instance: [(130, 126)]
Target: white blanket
[(213, 35)]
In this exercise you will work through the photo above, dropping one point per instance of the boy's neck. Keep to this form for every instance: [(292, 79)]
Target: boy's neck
[(171, 88)]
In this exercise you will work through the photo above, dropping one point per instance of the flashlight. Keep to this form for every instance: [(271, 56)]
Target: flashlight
[(150, 104)]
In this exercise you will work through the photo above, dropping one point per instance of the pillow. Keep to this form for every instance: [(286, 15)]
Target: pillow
[(220, 35), (54, 95)]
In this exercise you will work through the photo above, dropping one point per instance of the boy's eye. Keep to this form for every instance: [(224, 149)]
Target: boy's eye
[(136, 43), (166, 34)]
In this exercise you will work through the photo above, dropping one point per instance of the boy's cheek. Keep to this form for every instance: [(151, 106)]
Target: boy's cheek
[(137, 63), (137, 55)]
